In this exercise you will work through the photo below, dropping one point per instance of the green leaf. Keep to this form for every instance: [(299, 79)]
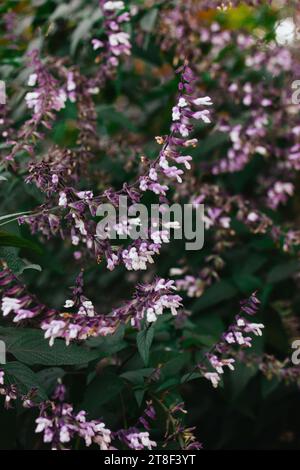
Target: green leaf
[(137, 376), (13, 261), (30, 347), (247, 283), (218, 292), (100, 391), (144, 340), (7, 239), (25, 379), (16, 264), (283, 271), (111, 344)]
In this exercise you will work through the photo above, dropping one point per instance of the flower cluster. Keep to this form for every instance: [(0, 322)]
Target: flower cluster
[(8, 391), (60, 425), (270, 366), (238, 333), (47, 98), (222, 207), (81, 321), (149, 302), (77, 223), (116, 41), (135, 439), (195, 285), (263, 106)]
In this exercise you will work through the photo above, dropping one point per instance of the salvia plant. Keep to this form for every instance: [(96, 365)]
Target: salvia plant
[(122, 342)]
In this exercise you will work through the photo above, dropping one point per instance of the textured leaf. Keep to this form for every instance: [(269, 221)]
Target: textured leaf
[(100, 391), (8, 239), (144, 340), (30, 347), (283, 271), (219, 292)]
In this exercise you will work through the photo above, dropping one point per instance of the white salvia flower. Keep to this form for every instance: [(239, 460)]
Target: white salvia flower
[(255, 328), (140, 440), (260, 149), (176, 271), (204, 115), (54, 179), (280, 187), (113, 5), (85, 195), (182, 102), (143, 184), (185, 159), (163, 162), (183, 130), (79, 223), (32, 101), (252, 217), (10, 304), (137, 261), (235, 134), (119, 38), (42, 424), (1, 377), (75, 240), (69, 303), (225, 222), (190, 143), (94, 91), (175, 113), (71, 85), (32, 79), (22, 314), (162, 284), (218, 364), (213, 377), (150, 315), (160, 236), (205, 101), (112, 261), (53, 330), (64, 435), (96, 45), (239, 338), (60, 100), (229, 363), (63, 201), (144, 436), (229, 337), (88, 305), (153, 174)]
